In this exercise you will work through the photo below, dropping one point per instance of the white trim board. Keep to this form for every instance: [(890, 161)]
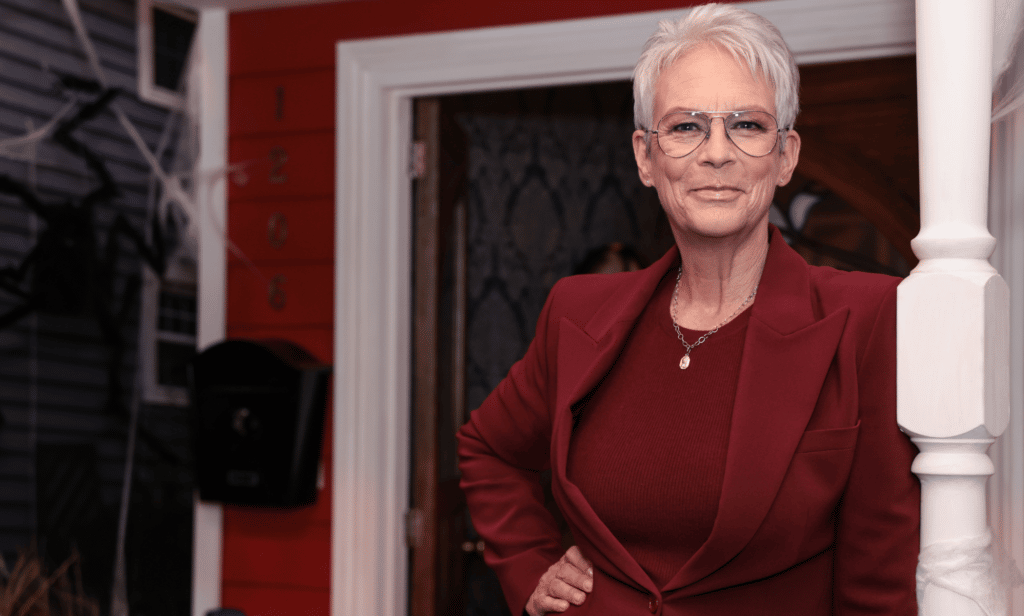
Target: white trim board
[(209, 84), (376, 82)]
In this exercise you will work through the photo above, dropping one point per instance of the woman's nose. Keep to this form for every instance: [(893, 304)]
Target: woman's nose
[(718, 150)]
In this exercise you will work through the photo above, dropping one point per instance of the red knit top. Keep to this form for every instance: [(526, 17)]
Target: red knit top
[(649, 450)]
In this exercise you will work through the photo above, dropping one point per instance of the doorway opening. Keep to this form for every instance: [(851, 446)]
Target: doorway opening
[(521, 186)]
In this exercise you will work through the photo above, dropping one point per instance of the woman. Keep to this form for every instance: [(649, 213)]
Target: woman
[(721, 425)]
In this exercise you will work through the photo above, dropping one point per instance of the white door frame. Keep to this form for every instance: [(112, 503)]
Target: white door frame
[(376, 82)]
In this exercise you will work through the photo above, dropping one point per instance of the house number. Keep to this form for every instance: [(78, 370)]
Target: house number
[(276, 296), (278, 157), (277, 229)]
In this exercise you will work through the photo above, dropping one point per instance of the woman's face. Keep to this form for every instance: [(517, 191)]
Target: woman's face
[(716, 191)]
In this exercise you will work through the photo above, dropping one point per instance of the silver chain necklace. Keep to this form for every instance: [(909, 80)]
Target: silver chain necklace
[(684, 363)]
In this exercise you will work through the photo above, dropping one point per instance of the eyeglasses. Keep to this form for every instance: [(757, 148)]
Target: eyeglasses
[(755, 133)]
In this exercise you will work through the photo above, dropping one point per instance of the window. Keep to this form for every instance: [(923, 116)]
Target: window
[(167, 338), (165, 33)]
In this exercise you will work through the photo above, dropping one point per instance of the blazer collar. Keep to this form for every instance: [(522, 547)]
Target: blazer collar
[(785, 337), (783, 301), (784, 295), (628, 307)]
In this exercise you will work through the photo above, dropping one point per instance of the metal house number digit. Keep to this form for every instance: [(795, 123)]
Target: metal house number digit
[(277, 229), (276, 296), (278, 157)]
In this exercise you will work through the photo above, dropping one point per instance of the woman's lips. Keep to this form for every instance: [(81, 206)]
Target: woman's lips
[(717, 192)]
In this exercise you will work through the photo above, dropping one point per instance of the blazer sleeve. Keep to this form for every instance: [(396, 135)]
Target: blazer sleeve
[(502, 449), (877, 539)]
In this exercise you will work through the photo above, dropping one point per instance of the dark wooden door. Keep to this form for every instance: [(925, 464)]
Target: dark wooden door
[(436, 521)]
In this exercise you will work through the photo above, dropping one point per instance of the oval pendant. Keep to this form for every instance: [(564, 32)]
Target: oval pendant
[(684, 363)]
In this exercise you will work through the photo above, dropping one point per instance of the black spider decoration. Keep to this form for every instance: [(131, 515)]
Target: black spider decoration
[(69, 270)]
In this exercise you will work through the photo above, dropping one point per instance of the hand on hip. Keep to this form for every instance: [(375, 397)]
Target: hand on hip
[(567, 581)]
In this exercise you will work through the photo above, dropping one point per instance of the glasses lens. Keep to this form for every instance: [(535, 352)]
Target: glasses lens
[(680, 133), (753, 132)]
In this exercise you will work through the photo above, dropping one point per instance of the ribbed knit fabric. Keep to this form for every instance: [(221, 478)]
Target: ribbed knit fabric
[(649, 450)]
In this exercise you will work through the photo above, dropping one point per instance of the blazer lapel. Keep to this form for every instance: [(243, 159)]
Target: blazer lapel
[(786, 355), (585, 355)]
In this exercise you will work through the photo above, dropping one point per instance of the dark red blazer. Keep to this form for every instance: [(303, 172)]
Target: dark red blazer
[(819, 511)]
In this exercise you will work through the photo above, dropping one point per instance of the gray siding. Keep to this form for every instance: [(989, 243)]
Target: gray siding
[(53, 368)]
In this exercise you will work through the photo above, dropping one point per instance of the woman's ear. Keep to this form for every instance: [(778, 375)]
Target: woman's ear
[(790, 156), (641, 150)]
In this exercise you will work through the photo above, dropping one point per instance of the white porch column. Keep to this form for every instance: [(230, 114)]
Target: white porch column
[(209, 85), (953, 310)]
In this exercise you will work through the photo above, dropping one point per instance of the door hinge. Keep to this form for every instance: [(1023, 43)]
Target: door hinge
[(414, 528), (417, 159)]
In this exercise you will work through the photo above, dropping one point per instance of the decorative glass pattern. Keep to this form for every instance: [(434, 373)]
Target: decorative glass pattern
[(542, 193)]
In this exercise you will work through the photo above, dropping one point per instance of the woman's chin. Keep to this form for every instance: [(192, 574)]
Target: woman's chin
[(720, 227)]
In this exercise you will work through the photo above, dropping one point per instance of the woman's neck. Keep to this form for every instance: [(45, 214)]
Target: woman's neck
[(718, 274)]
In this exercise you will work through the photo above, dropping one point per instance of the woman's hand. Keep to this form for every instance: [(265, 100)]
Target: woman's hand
[(567, 581)]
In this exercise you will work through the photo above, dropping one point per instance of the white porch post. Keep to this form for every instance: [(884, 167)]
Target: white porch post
[(209, 86), (953, 310)]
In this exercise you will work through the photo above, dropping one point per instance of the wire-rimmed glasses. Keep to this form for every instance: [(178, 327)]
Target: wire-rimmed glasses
[(755, 133)]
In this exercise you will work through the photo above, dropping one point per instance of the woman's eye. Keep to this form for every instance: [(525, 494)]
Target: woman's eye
[(685, 127), (748, 125)]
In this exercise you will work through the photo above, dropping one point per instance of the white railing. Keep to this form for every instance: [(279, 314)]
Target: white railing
[(953, 315)]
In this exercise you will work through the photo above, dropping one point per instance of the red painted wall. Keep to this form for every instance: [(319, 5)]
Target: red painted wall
[(281, 122)]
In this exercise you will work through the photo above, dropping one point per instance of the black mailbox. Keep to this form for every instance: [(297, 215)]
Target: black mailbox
[(259, 414)]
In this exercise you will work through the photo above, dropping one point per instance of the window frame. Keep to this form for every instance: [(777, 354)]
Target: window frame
[(150, 336), (148, 89)]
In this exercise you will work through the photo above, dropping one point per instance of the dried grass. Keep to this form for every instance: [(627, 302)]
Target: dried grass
[(28, 590)]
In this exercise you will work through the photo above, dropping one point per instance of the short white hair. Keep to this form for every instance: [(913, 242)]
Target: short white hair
[(747, 36)]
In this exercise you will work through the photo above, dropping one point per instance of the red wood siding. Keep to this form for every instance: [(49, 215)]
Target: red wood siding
[(303, 37), (309, 224), (281, 100), (281, 218), (302, 294), (284, 165), (257, 108)]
